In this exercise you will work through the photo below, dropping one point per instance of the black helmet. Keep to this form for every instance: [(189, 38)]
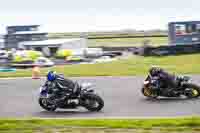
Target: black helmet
[(154, 70)]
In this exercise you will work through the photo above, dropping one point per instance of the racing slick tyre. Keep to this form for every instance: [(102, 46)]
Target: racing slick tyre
[(92, 102), (46, 105)]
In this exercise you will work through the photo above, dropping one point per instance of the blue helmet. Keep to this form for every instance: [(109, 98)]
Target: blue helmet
[(51, 76)]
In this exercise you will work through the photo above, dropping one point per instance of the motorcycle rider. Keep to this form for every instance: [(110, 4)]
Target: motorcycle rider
[(62, 86), (170, 81)]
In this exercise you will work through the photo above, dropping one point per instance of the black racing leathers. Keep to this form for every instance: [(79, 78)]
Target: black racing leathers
[(63, 87), (64, 84), (169, 81)]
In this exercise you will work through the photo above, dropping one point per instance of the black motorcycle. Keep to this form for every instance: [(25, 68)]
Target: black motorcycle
[(153, 88), (82, 95)]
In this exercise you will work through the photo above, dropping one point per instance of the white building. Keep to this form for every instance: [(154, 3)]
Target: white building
[(49, 47)]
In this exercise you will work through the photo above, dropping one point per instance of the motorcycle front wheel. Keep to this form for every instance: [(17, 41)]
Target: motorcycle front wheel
[(92, 102), (45, 104), (146, 91)]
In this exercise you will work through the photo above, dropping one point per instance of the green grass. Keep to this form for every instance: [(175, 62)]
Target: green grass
[(96, 35), (122, 42), (134, 65), (93, 40), (178, 124)]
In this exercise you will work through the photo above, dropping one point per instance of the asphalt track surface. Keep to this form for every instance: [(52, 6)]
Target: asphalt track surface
[(122, 96)]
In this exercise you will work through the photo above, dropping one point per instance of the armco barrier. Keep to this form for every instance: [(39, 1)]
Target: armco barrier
[(114, 48), (171, 50), (158, 51), (126, 36)]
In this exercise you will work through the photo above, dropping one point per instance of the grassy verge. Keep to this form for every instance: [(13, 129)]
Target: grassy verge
[(134, 65), (178, 124), (98, 40), (122, 42), (105, 34)]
